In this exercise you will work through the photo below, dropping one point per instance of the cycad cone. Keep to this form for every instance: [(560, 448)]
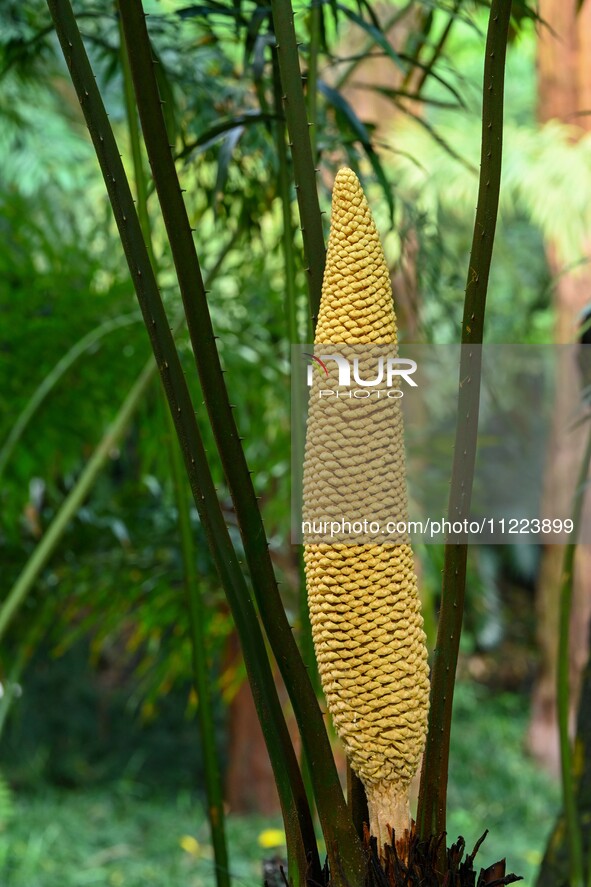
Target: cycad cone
[(364, 606)]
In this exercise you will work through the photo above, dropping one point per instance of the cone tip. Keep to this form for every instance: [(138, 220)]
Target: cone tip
[(345, 173), (346, 183)]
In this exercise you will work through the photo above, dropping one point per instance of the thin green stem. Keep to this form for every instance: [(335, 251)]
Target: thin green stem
[(283, 183), (571, 814), (297, 406), (201, 672), (301, 842), (344, 850), (431, 814), (312, 76), (136, 148), (25, 582), (298, 128), (357, 801), (419, 35), (53, 377), (74, 500), (438, 49), (213, 776)]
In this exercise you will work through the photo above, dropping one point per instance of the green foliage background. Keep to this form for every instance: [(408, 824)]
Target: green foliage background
[(112, 591)]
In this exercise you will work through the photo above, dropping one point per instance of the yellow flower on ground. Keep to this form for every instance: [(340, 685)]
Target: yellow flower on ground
[(190, 845), (271, 837)]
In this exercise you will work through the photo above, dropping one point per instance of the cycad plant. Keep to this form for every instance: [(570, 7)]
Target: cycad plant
[(363, 599)]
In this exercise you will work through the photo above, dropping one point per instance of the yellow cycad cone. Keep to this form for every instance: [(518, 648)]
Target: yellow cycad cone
[(363, 599), (356, 304)]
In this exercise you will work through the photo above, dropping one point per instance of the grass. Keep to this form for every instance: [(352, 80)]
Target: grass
[(495, 785), (125, 835), (120, 837)]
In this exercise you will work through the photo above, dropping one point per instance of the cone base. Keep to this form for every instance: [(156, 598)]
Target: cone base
[(389, 812)]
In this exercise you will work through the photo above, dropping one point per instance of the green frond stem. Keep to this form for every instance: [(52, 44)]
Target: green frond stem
[(139, 175), (283, 187), (305, 633), (357, 801), (343, 847), (431, 816), (571, 814), (201, 671), (201, 677), (312, 75), (301, 841), (294, 105)]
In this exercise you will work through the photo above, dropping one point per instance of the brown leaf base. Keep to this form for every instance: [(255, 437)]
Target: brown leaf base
[(411, 862)]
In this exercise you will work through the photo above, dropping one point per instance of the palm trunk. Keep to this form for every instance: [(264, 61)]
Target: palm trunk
[(554, 868), (564, 90)]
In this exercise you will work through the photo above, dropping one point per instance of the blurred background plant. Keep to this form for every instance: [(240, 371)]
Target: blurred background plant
[(96, 715)]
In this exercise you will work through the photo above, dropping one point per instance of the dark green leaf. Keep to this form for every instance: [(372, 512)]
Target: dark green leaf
[(363, 4), (342, 107), (377, 35), (217, 131), (396, 94), (166, 96), (258, 17), (211, 7), (224, 159), (334, 9), (258, 63), (431, 73)]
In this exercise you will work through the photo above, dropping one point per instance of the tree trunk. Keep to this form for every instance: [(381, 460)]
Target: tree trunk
[(250, 785), (554, 869), (564, 89)]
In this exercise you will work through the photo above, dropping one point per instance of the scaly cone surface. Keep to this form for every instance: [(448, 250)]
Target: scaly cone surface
[(364, 605)]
